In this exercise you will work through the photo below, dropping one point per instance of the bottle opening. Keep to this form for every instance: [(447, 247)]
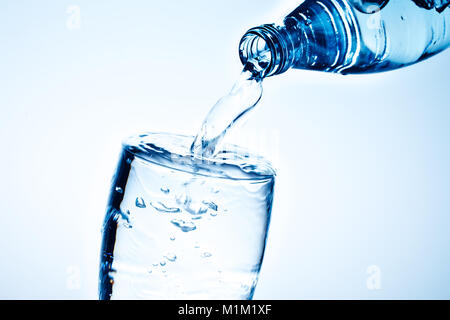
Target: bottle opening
[(264, 46), (255, 54), (253, 47)]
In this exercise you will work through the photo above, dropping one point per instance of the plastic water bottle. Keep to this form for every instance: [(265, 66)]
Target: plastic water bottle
[(351, 36)]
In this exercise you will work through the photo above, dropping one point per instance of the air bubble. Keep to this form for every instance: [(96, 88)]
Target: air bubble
[(182, 199), (127, 225), (249, 168), (196, 209), (206, 255), (140, 203), (165, 190), (171, 257), (185, 226), (161, 207), (211, 205), (119, 190), (127, 219)]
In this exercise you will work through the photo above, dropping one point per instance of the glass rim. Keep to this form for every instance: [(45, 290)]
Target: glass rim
[(234, 163)]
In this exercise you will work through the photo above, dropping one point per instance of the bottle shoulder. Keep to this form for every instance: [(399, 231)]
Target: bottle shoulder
[(345, 38)]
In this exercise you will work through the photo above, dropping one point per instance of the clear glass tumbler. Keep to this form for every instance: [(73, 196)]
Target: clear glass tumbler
[(180, 227)]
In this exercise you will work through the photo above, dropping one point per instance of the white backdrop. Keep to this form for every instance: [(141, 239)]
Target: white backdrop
[(361, 206)]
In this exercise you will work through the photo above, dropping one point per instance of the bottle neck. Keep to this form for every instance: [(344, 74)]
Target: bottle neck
[(271, 44), (317, 35)]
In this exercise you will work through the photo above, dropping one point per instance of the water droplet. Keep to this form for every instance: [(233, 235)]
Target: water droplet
[(150, 271), (170, 256), (162, 263), (213, 214), (155, 264), (172, 238), (206, 255), (214, 190), (140, 203), (119, 190), (165, 190), (185, 226), (161, 207)]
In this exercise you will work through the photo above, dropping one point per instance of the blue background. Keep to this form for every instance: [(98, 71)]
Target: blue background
[(363, 161)]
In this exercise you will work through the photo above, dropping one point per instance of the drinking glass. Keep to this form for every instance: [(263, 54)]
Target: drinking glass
[(182, 227)]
